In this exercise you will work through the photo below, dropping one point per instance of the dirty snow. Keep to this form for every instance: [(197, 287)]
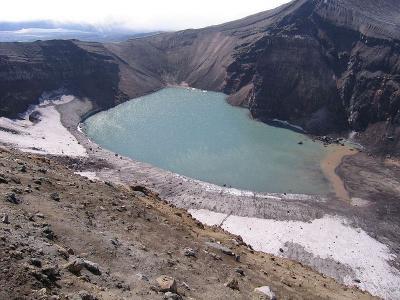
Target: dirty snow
[(266, 290), (48, 136), (88, 174), (330, 237)]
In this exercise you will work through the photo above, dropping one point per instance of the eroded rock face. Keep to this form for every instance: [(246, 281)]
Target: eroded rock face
[(322, 71), (326, 65), (29, 69)]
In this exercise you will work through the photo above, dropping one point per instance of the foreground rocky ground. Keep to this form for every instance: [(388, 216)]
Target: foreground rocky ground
[(63, 236)]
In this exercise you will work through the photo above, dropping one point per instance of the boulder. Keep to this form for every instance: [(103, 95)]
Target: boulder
[(166, 284), (233, 284), (83, 295), (189, 252), (266, 292), (13, 198), (75, 266), (55, 196), (35, 116), (5, 219), (92, 267), (171, 296)]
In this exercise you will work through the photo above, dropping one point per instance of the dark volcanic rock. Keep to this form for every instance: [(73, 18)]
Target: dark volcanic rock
[(326, 65), (29, 69)]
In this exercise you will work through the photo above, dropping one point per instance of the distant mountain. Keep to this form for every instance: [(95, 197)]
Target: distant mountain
[(48, 30), (326, 65)]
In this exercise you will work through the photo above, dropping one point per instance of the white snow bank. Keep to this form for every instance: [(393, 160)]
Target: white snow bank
[(88, 174), (327, 238), (48, 136), (266, 290)]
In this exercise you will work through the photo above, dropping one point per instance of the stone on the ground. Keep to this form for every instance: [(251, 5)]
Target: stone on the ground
[(83, 295), (142, 277), (63, 252), (3, 179), (13, 198), (5, 219), (48, 233), (75, 266), (52, 272), (35, 262), (239, 271), (55, 196), (22, 169), (189, 252), (92, 267), (171, 296), (166, 284), (266, 292), (233, 284), (220, 247)]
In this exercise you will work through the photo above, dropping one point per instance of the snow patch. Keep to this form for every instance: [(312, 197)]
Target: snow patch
[(266, 290), (330, 237), (88, 174), (48, 136)]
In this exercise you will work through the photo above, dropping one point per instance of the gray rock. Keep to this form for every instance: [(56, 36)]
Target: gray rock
[(5, 219), (220, 247), (22, 169), (92, 267), (40, 215), (35, 116), (48, 233), (266, 292), (233, 284), (189, 252), (35, 262), (55, 196), (115, 242), (52, 272), (239, 271), (166, 284), (3, 179), (142, 277), (84, 295), (13, 198), (171, 296), (75, 266), (63, 252)]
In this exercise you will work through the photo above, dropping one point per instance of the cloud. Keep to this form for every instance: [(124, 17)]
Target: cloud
[(139, 15)]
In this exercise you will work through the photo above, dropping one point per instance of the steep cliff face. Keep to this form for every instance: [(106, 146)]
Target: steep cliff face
[(29, 69), (326, 65)]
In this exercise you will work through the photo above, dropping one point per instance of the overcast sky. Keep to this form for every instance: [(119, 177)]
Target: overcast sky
[(136, 14)]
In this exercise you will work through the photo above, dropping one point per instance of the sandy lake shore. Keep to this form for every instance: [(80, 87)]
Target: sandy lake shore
[(329, 165), (329, 225)]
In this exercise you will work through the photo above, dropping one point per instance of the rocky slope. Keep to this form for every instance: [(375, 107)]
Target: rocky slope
[(66, 237), (327, 65)]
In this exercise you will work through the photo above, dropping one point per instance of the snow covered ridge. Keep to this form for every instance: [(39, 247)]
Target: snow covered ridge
[(46, 136), (328, 241)]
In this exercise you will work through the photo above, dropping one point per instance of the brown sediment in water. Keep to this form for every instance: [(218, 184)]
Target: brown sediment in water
[(329, 164)]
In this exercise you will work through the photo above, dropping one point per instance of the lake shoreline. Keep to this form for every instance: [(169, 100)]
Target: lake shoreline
[(194, 195), (329, 166)]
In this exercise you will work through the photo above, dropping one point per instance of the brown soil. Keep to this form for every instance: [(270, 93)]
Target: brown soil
[(329, 165), (126, 232)]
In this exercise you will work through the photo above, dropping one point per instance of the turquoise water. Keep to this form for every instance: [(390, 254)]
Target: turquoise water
[(197, 134)]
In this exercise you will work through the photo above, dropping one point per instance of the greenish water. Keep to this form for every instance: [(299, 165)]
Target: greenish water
[(199, 135)]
